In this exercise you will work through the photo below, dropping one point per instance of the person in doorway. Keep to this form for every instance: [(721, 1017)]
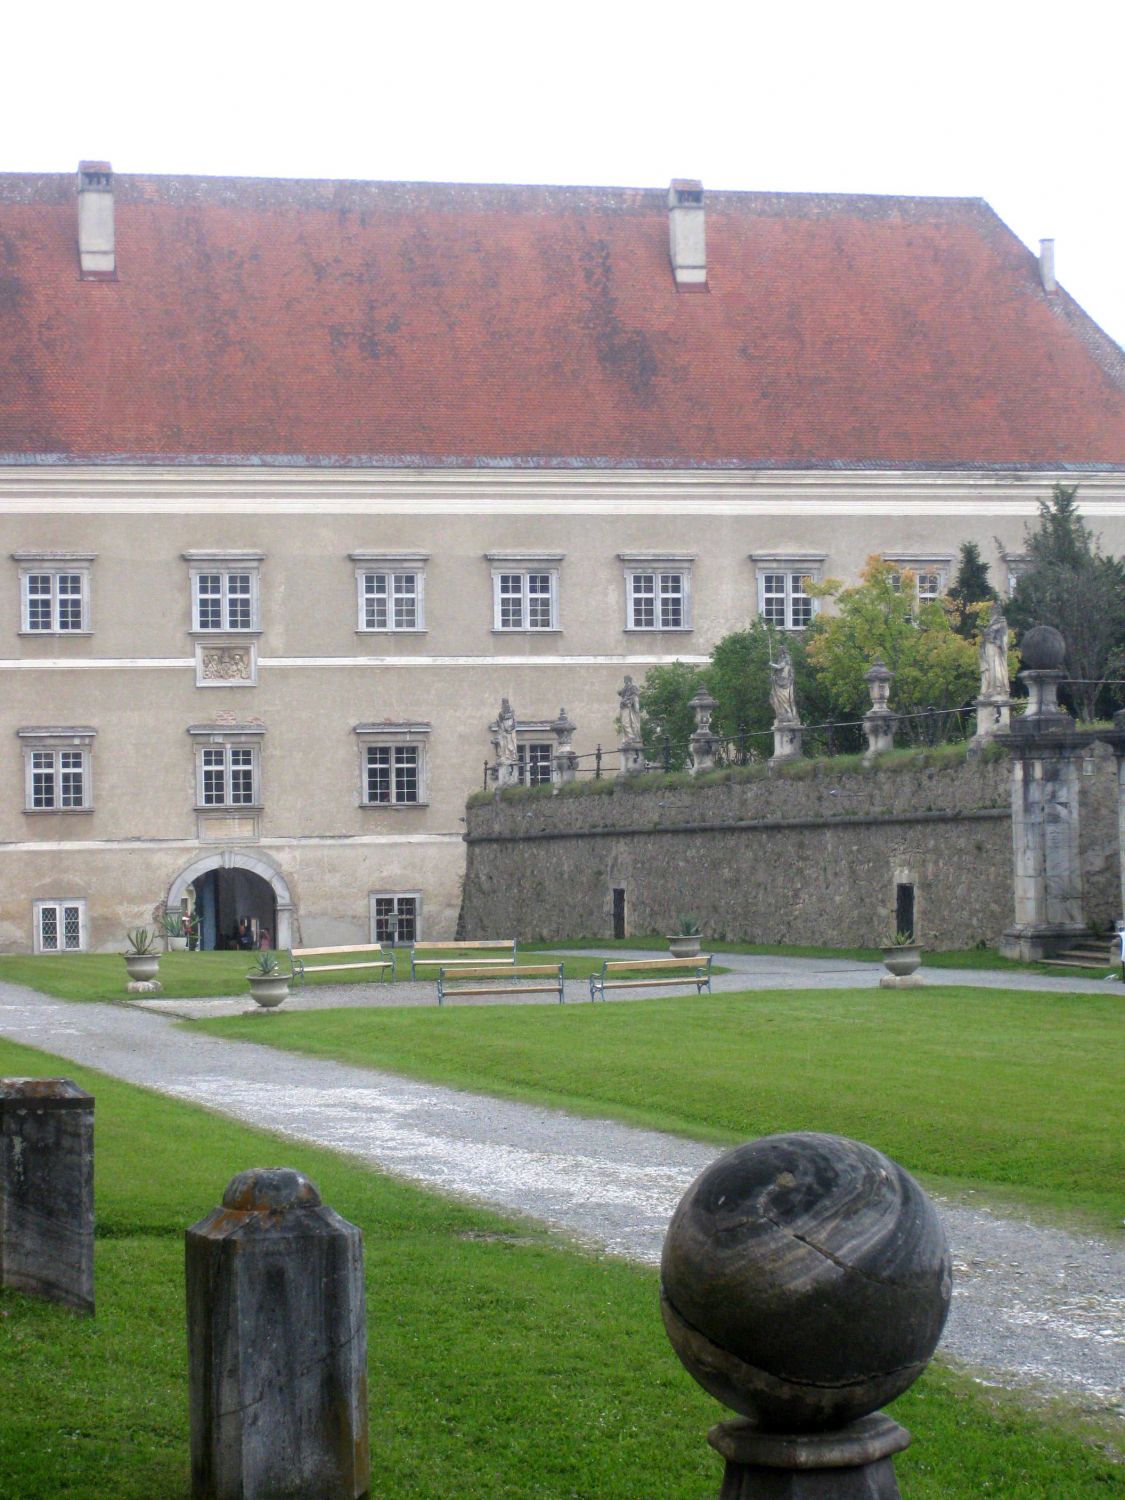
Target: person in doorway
[(263, 938), (245, 934)]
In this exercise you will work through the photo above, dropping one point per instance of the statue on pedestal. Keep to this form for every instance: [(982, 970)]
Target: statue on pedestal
[(630, 696), (994, 656), (782, 699)]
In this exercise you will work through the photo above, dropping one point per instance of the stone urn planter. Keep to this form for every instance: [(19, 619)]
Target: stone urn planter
[(141, 966), (684, 944), (268, 985), (901, 961)]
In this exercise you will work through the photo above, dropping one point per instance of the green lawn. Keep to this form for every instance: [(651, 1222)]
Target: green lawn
[(503, 1363), (190, 976), (1007, 1092)]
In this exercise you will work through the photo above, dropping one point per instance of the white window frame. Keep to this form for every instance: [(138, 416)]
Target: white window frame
[(657, 566), (790, 566), (226, 565), (59, 907), (396, 897), (1015, 564), (393, 568), (394, 738), (924, 564), (57, 742), (508, 567), (209, 740), (55, 565), (524, 747)]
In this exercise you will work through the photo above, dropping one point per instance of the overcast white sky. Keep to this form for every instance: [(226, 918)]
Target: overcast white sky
[(1018, 103)]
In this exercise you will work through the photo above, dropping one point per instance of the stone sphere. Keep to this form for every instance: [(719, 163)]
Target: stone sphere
[(1043, 649), (805, 1280), (270, 1189)]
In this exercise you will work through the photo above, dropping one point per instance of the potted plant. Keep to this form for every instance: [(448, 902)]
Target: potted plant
[(142, 960), (268, 985), (685, 943), (902, 955), (173, 924)]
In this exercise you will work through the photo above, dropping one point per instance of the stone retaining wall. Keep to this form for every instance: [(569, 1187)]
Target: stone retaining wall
[(814, 859)]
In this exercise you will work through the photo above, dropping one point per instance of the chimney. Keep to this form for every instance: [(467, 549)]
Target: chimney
[(97, 258), (1047, 265), (688, 245)]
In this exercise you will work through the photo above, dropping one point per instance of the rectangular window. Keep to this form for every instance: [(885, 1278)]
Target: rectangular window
[(57, 769), (228, 776), (392, 773), (784, 601), (60, 926), (929, 573), (394, 918), (224, 601), (657, 601), (392, 764), (534, 761), (389, 601), (54, 594), (525, 599)]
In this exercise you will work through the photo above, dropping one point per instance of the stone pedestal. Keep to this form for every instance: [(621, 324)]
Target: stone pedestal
[(277, 1345), (47, 1190), (992, 716), (901, 982), (1119, 751), (851, 1463), (564, 766), (507, 773), (879, 731), (632, 753), (703, 745), (1045, 846), (786, 741)]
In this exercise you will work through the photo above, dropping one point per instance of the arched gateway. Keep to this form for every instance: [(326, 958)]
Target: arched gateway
[(230, 884)]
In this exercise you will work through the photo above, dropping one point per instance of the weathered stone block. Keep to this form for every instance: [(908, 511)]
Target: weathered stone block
[(277, 1346), (47, 1190)]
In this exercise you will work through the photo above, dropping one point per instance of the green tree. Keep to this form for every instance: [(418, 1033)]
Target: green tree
[(934, 667), (969, 592), (666, 695), (1070, 584)]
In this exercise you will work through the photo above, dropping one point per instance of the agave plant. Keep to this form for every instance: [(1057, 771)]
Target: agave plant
[(141, 940), (265, 964), (173, 924)]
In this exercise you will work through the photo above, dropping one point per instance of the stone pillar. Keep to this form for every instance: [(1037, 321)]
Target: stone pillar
[(277, 1345), (1119, 750), (879, 721), (704, 742), (565, 766), (1045, 750), (47, 1190), (805, 1281)]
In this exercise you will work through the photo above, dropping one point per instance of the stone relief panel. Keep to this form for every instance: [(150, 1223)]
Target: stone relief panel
[(226, 664)]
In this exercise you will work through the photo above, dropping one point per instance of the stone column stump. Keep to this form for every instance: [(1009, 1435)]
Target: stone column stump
[(805, 1281), (47, 1190), (277, 1345)]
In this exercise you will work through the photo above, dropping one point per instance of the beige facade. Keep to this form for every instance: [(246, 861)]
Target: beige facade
[(285, 693)]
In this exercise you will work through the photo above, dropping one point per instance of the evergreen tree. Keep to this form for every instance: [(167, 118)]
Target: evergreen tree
[(1070, 584), (969, 590)]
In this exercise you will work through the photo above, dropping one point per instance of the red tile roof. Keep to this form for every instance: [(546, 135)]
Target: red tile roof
[(409, 324)]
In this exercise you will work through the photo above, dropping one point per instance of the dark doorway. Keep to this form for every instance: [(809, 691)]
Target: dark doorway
[(618, 912), (904, 909), (224, 897)]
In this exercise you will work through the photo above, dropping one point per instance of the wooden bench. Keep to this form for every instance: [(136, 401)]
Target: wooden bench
[(500, 979), (459, 955), (371, 957), (648, 972)]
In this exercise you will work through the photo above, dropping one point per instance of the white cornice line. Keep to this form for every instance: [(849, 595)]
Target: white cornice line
[(138, 664), (342, 840), (199, 491)]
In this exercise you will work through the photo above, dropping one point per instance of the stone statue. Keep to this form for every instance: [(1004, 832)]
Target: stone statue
[(630, 696), (782, 701), (506, 725), (994, 656)]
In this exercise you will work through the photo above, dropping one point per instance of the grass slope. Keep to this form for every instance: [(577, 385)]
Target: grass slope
[(1001, 1090), (503, 1363)]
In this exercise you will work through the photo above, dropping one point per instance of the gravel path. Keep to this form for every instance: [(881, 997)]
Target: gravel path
[(1033, 1306)]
